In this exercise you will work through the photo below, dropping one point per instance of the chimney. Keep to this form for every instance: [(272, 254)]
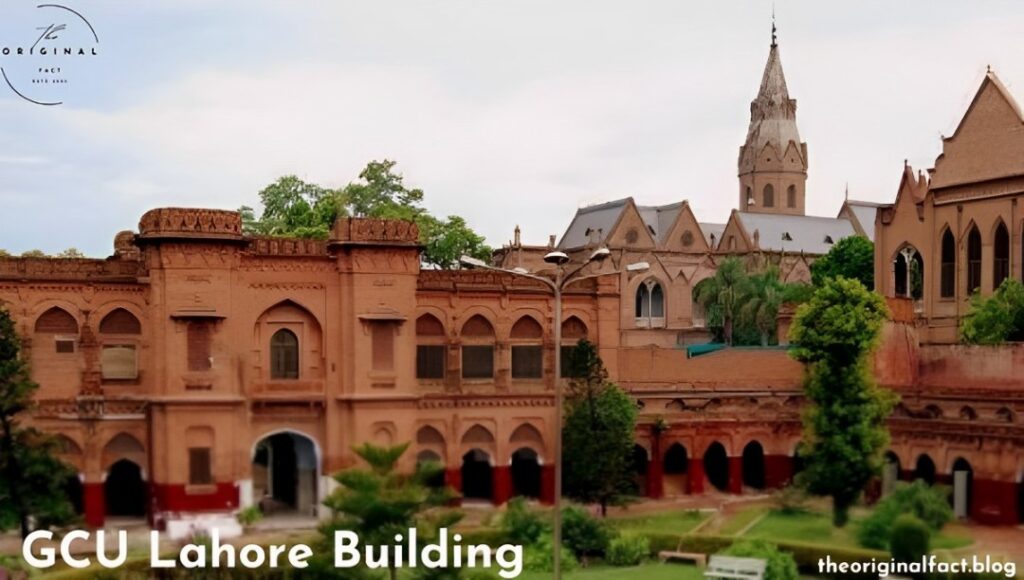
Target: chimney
[(551, 242)]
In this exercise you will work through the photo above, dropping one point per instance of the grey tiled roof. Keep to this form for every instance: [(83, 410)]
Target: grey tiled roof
[(865, 213), (712, 230), (795, 233), (595, 218)]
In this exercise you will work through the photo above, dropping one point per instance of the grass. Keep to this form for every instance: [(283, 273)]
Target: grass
[(679, 522), (742, 519), (650, 571), (816, 528)]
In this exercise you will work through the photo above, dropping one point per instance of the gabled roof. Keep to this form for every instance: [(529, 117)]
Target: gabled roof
[(794, 233), (863, 215), (710, 230), (990, 78), (593, 224)]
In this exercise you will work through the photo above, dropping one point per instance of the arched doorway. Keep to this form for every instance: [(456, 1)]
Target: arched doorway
[(890, 473), (640, 461), (753, 465), (716, 466), (676, 464), (124, 490), (477, 475), (285, 467), (526, 473), (963, 480), (925, 470), (74, 491)]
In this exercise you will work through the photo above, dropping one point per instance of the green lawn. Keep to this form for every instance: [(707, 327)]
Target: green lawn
[(678, 522), (816, 528), (742, 519), (652, 571)]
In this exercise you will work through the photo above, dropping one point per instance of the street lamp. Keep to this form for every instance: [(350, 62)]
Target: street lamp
[(558, 259)]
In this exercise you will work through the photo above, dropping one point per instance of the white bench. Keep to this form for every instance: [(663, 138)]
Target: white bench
[(733, 567)]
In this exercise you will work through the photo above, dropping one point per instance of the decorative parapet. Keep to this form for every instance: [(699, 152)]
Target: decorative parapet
[(489, 279), (288, 247), (372, 231), (190, 223), (69, 269)]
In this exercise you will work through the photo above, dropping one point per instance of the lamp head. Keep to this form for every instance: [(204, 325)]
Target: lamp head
[(557, 258), (600, 254), (638, 267)]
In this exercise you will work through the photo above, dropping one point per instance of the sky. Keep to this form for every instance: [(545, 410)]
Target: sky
[(504, 112)]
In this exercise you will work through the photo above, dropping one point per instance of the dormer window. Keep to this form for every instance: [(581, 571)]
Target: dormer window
[(828, 240), (786, 237)]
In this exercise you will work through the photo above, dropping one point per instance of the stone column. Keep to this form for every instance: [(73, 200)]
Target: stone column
[(696, 476), (547, 484), (655, 478), (94, 503), (736, 475), (502, 489)]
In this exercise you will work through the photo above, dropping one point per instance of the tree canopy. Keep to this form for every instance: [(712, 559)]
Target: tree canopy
[(32, 482), (598, 433), (852, 257), (844, 424), (997, 318), (295, 208)]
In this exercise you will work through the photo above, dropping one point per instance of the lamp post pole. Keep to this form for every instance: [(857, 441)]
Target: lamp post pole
[(558, 259)]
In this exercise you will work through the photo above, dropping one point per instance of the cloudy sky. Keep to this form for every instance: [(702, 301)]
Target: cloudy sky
[(503, 111)]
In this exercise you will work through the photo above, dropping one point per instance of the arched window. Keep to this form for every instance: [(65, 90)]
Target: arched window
[(573, 331), (973, 260), (650, 304), (284, 355), (120, 321), (63, 326), (118, 358), (791, 196), (431, 349), (769, 196), (477, 349), (1000, 255), (908, 273), (750, 196), (948, 282), (527, 351)]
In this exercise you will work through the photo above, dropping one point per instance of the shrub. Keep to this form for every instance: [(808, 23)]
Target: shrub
[(780, 565), (627, 551), (584, 534), (791, 499), (996, 318), (248, 516), (538, 557), (520, 524), (927, 503), (909, 539)]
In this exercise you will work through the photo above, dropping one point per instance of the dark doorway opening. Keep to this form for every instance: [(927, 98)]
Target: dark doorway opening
[(526, 473), (284, 469), (716, 466), (676, 465), (640, 468), (753, 465), (124, 490), (925, 470), (436, 477), (477, 476)]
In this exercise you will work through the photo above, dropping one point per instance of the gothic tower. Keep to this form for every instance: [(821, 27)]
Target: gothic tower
[(773, 160)]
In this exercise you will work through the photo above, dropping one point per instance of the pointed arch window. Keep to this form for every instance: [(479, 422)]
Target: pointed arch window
[(947, 285), (527, 349), (650, 304), (284, 355), (791, 196), (908, 270), (769, 196), (1000, 255), (973, 260)]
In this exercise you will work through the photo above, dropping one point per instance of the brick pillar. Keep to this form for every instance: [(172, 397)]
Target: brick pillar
[(95, 505), (994, 503), (502, 487), (453, 479), (736, 475), (696, 478), (655, 478), (778, 471), (547, 484)]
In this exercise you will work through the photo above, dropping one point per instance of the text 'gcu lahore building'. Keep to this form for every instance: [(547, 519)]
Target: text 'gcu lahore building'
[(199, 370)]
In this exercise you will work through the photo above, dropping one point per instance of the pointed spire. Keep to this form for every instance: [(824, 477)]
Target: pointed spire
[(774, 39)]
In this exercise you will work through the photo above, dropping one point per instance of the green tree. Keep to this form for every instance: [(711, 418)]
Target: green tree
[(852, 257), (33, 254), (722, 295), (377, 502), (997, 318), (71, 253), (598, 433), (4, 253), (33, 477), (844, 424), (760, 307), (295, 208)]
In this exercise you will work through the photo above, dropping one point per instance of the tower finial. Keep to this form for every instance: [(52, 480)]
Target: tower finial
[(846, 194), (774, 39)]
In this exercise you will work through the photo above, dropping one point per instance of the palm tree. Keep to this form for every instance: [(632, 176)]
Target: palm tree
[(761, 304), (724, 292)]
